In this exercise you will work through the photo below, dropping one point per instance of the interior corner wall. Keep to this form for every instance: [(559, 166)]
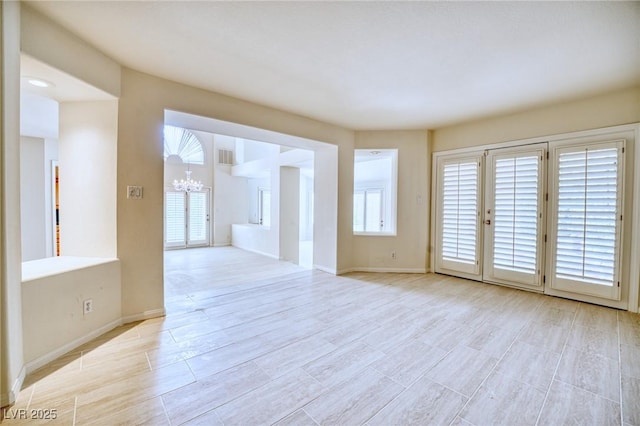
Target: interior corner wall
[(87, 161), (33, 207), (373, 253), (290, 214), (611, 109), (48, 42), (11, 351)]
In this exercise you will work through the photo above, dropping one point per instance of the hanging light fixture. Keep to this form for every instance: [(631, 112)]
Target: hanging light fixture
[(187, 185)]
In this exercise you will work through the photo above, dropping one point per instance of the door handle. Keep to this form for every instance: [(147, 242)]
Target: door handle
[(487, 222)]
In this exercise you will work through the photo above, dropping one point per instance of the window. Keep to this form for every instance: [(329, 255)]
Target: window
[(264, 207), (374, 192), (184, 144), (368, 210)]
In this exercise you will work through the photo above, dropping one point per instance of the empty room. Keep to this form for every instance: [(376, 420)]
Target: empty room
[(320, 213)]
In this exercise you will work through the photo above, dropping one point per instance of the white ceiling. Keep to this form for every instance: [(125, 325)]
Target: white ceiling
[(373, 65)]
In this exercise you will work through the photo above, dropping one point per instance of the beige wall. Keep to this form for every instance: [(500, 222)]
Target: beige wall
[(11, 355), (621, 107), (87, 160), (52, 329), (42, 38), (411, 241)]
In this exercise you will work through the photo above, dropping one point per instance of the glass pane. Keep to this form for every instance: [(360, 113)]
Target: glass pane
[(358, 212), (373, 205), (265, 207)]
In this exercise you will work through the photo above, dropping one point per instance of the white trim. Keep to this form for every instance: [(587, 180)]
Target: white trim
[(330, 270), (634, 268), (261, 253), (57, 353), (221, 245), (144, 316), (393, 270), (10, 398)]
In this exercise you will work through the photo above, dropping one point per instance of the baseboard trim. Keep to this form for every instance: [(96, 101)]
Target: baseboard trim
[(222, 245), (154, 313), (261, 253), (331, 271), (57, 353), (9, 398), (392, 270)]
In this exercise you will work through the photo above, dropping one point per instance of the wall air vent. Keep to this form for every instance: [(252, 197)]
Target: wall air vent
[(225, 156)]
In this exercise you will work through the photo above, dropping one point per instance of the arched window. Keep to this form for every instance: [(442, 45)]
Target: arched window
[(184, 144)]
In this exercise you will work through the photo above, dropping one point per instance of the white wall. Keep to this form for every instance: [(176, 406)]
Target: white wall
[(33, 207), (87, 151), (228, 206), (290, 214), (11, 355)]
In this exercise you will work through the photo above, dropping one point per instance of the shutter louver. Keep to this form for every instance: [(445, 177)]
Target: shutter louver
[(197, 216), (516, 214), (459, 212), (587, 216), (174, 218)]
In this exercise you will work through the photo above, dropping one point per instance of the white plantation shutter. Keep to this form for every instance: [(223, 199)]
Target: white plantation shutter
[(588, 215), (174, 233), (198, 217), (515, 217), (457, 215)]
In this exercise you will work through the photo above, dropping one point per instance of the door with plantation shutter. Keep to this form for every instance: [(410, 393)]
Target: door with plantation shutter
[(586, 218), (186, 219), (458, 237), (513, 215)]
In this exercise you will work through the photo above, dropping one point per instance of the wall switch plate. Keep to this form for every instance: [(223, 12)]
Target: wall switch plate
[(87, 306), (134, 192)]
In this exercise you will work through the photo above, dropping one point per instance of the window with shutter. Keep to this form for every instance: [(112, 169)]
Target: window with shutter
[(174, 221), (588, 202), (198, 217), (458, 215)]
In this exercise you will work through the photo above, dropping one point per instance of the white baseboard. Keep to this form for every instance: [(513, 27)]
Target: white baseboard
[(144, 315), (393, 270), (325, 269), (9, 398), (222, 245), (261, 253), (53, 355)]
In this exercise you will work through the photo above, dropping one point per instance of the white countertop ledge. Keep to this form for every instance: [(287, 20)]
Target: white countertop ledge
[(41, 268)]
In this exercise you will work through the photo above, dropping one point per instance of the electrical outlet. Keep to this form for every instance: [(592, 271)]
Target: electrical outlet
[(87, 306), (393, 255)]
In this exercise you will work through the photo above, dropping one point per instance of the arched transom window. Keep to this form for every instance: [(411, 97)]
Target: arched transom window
[(184, 144)]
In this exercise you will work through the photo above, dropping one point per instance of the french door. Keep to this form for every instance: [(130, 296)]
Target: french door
[(546, 216), (587, 218), (513, 215), (186, 220)]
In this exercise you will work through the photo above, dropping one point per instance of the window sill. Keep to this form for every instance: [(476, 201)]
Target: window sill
[(375, 234)]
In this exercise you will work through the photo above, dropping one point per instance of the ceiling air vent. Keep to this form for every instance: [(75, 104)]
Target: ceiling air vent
[(225, 156)]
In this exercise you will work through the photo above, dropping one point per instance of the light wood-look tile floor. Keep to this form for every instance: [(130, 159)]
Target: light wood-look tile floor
[(252, 341)]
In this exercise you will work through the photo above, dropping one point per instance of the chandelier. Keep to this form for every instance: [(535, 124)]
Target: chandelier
[(188, 185)]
